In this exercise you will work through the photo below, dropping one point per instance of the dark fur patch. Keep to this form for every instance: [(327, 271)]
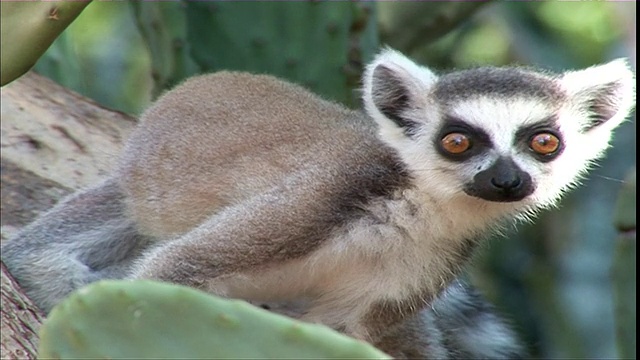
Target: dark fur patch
[(287, 223), (525, 134), (502, 82), (392, 98), (385, 315), (479, 139), (461, 311), (463, 253)]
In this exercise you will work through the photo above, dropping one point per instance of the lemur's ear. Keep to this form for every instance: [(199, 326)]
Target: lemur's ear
[(392, 84), (605, 94)]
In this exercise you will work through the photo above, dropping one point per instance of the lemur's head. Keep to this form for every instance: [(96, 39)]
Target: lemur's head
[(506, 135)]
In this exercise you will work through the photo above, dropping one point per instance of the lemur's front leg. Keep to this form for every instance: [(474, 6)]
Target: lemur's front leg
[(247, 250), (268, 229)]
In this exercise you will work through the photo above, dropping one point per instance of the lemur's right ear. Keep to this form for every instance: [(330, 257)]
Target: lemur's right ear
[(392, 85), (605, 94)]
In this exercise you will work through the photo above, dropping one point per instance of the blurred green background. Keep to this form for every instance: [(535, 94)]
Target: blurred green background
[(552, 279)]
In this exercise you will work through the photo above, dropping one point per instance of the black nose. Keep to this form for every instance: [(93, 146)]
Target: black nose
[(503, 181), (507, 182)]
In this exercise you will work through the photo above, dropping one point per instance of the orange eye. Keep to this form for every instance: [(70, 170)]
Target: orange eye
[(455, 143), (545, 143)]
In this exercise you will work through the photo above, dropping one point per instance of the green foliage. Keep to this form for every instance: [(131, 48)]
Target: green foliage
[(407, 25), (145, 319), (625, 213), (101, 55), (587, 28), (623, 271), (553, 34), (321, 45), (163, 26), (28, 29)]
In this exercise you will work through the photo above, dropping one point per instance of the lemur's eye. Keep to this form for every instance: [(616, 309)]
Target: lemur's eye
[(544, 143), (456, 143)]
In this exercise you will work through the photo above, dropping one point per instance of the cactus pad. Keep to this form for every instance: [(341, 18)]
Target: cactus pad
[(145, 319)]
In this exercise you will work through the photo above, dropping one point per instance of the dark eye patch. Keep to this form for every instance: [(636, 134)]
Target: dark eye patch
[(479, 140), (526, 134)]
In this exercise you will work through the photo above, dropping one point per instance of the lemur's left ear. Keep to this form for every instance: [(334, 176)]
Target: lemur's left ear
[(605, 94), (392, 84)]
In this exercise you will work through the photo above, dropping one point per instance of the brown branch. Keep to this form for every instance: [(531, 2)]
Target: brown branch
[(53, 140)]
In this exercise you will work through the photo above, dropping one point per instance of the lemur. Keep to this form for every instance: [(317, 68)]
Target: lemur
[(250, 187)]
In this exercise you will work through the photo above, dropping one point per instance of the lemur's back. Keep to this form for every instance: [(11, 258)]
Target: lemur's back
[(240, 134)]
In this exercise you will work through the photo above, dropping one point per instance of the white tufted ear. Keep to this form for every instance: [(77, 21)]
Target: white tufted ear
[(605, 94), (392, 83)]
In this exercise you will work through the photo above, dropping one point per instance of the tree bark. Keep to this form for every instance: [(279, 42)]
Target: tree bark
[(53, 141), (20, 321)]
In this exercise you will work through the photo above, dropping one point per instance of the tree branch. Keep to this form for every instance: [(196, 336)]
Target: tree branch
[(53, 140)]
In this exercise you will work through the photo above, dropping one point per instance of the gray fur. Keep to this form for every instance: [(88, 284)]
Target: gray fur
[(84, 238), (459, 324), (471, 327), (498, 82)]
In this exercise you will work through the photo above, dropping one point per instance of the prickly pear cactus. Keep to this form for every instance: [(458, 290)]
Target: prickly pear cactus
[(319, 44), (28, 29), (145, 319), (163, 26)]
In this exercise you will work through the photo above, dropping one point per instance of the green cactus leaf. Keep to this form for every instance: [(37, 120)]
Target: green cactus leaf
[(163, 27), (146, 319), (321, 45), (28, 28)]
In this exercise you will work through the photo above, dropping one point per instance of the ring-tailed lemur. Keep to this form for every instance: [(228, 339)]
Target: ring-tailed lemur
[(250, 187)]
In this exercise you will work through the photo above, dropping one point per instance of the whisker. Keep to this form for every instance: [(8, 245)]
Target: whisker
[(621, 181)]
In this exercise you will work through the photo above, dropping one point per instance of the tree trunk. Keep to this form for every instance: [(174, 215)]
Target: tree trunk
[(53, 141)]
